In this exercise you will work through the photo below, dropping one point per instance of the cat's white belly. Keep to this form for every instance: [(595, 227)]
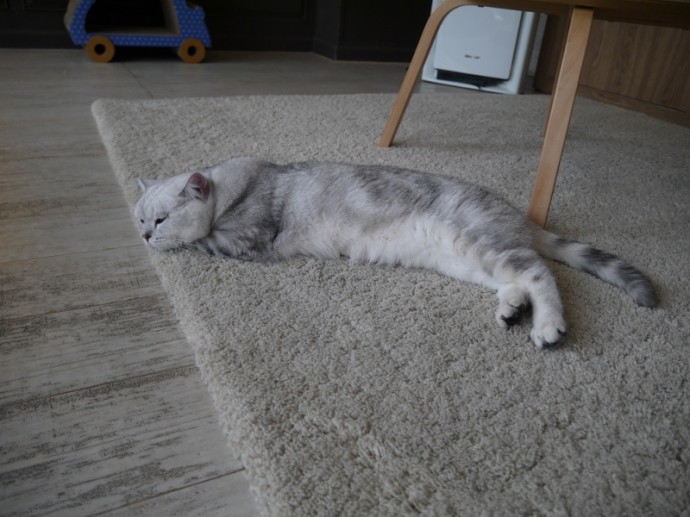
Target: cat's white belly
[(415, 241)]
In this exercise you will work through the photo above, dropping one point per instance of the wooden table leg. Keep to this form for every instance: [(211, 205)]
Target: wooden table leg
[(560, 112), (415, 68), (555, 79)]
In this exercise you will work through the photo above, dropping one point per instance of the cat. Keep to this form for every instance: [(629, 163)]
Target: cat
[(249, 209)]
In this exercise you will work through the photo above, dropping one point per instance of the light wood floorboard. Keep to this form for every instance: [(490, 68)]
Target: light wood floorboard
[(111, 445), (102, 410)]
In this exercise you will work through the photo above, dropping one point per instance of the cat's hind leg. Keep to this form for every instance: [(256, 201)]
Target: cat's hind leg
[(519, 275), (525, 270), (548, 323)]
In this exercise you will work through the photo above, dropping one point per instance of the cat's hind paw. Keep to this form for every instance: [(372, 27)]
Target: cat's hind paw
[(549, 334), (508, 315), (513, 302)]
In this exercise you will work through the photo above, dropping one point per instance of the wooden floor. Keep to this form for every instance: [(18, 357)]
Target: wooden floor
[(102, 409)]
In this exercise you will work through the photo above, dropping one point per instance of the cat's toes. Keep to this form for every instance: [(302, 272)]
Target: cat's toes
[(548, 334)]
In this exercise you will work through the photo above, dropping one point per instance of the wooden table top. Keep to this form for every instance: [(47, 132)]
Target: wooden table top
[(670, 13)]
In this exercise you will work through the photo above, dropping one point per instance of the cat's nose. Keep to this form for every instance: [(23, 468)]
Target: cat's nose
[(147, 236)]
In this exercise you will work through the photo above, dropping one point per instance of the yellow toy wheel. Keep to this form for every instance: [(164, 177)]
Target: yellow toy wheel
[(100, 49), (191, 50)]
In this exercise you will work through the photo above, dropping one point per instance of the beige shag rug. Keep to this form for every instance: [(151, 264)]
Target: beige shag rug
[(362, 390)]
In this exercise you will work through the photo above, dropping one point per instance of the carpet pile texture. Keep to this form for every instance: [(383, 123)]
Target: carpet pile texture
[(362, 390)]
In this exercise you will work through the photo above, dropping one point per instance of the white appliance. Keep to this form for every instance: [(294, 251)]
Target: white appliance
[(482, 48)]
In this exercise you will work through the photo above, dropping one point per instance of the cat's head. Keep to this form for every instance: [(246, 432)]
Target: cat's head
[(175, 212)]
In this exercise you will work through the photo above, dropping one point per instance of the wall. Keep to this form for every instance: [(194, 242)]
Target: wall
[(639, 67)]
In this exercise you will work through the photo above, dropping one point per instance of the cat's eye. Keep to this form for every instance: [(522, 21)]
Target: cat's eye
[(141, 221), (159, 220)]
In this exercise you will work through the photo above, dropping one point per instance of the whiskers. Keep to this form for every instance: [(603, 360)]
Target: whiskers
[(167, 244)]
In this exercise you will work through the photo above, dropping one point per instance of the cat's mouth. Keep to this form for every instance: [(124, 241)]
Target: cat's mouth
[(159, 244)]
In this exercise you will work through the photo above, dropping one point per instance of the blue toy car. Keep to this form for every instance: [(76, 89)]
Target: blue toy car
[(185, 31)]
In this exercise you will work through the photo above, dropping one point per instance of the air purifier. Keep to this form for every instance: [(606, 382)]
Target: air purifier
[(482, 48)]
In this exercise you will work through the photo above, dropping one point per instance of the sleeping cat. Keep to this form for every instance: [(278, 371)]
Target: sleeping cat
[(249, 209)]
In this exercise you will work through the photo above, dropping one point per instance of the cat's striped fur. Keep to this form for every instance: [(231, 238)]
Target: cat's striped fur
[(249, 209)]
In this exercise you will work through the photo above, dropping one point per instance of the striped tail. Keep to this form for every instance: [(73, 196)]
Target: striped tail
[(605, 266)]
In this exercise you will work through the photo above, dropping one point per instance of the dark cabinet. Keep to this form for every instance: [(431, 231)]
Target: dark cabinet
[(386, 30), (383, 30)]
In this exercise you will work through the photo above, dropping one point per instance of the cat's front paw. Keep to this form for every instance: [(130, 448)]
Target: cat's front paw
[(548, 334)]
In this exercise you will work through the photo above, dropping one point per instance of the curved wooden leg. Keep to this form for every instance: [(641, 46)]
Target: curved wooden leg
[(415, 68), (560, 112), (555, 79)]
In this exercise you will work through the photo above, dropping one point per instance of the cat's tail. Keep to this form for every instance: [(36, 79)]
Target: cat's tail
[(605, 266)]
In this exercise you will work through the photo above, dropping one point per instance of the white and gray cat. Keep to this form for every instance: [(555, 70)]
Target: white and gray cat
[(249, 209)]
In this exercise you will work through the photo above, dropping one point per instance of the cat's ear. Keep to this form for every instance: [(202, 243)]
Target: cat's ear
[(145, 183), (197, 187)]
